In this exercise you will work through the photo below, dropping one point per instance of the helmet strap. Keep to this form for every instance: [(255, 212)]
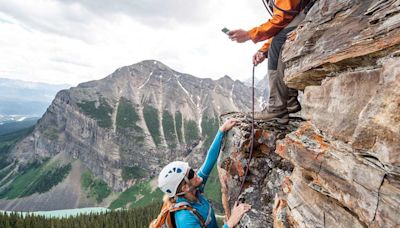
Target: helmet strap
[(191, 187)]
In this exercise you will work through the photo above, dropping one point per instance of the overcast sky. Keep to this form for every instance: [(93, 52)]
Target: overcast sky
[(73, 41)]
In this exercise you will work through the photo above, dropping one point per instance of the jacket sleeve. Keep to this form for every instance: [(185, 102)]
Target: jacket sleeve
[(265, 47), (279, 21), (212, 156)]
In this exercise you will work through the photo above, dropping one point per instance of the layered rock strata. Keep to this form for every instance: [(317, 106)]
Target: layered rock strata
[(332, 181)]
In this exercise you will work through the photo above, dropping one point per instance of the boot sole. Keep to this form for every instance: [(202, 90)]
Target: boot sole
[(278, 120), (273, 120)]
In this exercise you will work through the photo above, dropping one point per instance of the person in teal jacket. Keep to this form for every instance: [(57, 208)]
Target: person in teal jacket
[(179, 180)]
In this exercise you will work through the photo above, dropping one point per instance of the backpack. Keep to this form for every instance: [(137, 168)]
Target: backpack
[(305, 5), (166, 217)]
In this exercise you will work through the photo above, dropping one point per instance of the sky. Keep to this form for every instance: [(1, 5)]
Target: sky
[(74, 41)]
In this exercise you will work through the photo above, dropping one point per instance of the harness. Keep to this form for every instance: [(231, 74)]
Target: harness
[(166, 218)]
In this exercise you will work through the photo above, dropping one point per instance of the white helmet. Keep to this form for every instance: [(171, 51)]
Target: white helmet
[(171, 176)]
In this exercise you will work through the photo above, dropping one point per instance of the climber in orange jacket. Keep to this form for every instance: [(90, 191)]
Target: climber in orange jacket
[(286, 15)]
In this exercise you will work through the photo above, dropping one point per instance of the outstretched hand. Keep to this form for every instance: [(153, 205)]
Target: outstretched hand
[(228, 125), (237, 214), (239, 35)]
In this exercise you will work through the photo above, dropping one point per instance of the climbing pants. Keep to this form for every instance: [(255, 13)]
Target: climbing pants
[(279, 93)]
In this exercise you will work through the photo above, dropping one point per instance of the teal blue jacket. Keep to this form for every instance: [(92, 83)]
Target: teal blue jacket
[(185, 218)]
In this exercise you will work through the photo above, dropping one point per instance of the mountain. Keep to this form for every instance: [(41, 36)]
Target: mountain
[(26, 98), (112, 134), (262, 86)]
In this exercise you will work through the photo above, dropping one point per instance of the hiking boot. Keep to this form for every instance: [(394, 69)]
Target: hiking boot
[(293, 105), (281, 117)]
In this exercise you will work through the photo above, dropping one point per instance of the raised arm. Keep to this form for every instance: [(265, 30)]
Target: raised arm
[(213, 152)]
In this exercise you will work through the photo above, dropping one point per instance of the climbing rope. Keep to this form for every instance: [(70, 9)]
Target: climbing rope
[(251, 139)]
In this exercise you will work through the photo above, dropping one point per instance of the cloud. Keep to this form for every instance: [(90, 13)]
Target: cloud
[(70, 20), (77, 18), (70, 61), (151, 12), (71, 41)]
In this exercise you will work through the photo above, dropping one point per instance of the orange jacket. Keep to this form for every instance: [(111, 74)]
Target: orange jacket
[(273, 26)]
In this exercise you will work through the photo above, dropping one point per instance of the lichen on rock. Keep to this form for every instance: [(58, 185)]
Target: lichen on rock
[(267, 169)]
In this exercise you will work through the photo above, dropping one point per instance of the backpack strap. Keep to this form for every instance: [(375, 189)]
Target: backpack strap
[(180, 204), (186, 206), (308, 6), (290, 12), (195, 212), (208, 221)]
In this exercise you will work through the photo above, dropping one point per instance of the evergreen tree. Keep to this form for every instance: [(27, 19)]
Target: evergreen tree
[(132, 218)]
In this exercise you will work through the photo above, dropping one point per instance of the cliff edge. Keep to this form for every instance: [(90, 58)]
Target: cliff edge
[(339, 164)]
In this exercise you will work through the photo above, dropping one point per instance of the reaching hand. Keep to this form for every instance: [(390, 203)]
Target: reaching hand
[(228, 125), (239, 35), (237, 213), (258, 58)]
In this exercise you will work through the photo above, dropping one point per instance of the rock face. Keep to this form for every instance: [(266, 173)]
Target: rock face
[(138, 118), (267, 170), (341, 36), (352, 179), (344, 157)]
